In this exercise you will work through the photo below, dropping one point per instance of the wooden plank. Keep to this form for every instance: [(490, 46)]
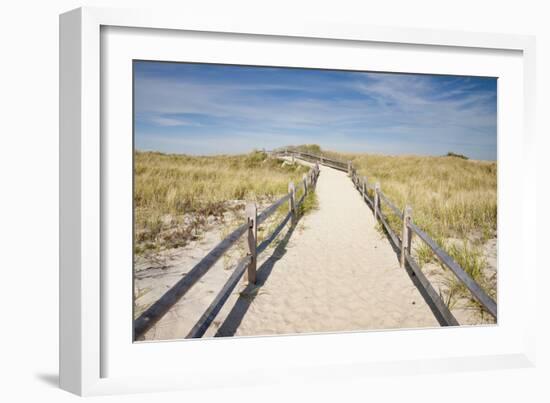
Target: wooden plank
[(215, 307), (393, 237), (369, 200), (292, 202), (252, 218), (405, 235), (442, 312), (299, 202), (265, 243), (323, 159), (376, 198), (340, 165), (271, 209), (164, 303), (392, 206), (477, 292), (221, 298)]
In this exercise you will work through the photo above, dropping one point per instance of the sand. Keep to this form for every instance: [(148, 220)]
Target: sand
[(333, 272)]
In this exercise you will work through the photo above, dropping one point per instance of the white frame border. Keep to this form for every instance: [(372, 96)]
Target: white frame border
[(80, 164)]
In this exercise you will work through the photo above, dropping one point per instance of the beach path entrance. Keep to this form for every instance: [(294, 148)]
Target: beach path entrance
[(335, 271)]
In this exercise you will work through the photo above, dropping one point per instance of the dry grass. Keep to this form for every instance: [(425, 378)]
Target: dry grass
[(175, 195), (453, 199)]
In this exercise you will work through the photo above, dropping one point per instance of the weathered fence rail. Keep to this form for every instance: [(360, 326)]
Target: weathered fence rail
[(403, 243), (248, 264), (340, 165)]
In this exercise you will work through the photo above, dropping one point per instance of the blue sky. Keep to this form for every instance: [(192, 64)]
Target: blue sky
[(207, 109)]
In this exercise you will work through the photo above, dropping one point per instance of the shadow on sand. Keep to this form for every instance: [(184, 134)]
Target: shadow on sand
[(416, 281), (235, 317)]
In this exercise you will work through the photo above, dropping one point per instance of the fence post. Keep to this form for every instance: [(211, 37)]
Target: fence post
[(376, 199), (291, 201), (304, 179), (349, 168), (365, 187), (405, 241), (252, 216), (315, 173)]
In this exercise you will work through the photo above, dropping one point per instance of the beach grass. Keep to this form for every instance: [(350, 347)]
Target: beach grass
[(175, 195), (454, 200)]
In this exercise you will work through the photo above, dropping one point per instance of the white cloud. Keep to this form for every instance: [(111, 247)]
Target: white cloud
[(409, 108), (165, 121)]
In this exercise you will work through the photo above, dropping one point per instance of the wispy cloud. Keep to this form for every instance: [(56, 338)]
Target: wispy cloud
[(208, 109), (167, 121)]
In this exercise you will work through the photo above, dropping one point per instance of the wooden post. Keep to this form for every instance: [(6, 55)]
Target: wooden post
[(365, 187), (410, 233), (349, 168), (252, 216), (376, 198), (405, 236), (305, 184), (291, 201), (322, 162)]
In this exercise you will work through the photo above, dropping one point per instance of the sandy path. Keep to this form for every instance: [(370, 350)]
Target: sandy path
[(334, 272)]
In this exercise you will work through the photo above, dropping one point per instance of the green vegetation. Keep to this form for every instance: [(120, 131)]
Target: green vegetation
[(175, 194), (451, 154), (309, 204)]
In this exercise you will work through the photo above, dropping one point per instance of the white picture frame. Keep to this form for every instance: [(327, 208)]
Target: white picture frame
[(85, 343)]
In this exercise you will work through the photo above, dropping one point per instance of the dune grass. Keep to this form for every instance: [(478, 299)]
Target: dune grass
[(174, 195), (454, 200), (451, 197)]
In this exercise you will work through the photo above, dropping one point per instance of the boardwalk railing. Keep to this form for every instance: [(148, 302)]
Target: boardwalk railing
[(403, 243), (248, 264), (330, 162)]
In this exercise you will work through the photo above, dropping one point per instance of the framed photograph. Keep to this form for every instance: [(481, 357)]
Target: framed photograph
[(338, 199)]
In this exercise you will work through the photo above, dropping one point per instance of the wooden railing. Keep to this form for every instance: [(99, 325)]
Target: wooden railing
[(330, 162), (403, 243), (248, 264)]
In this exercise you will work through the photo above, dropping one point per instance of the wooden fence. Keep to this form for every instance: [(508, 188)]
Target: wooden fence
[(248, 264), (330, 162), (403, 242)]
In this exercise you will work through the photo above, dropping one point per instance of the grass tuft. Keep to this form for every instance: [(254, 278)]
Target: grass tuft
[(176, 195)]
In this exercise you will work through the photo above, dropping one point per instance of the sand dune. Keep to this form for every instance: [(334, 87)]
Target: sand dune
[(333, 272)]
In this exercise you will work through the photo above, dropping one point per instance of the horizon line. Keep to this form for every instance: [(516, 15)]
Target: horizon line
[(323, 150)]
